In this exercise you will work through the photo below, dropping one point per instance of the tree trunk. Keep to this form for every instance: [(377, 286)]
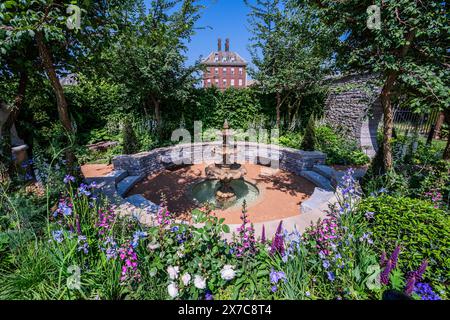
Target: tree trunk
[(157, 108), (438, 126), (447, 148), (388, 120), (388, 116), (278, 109), (63, 110), (12, 117), (6, 129)]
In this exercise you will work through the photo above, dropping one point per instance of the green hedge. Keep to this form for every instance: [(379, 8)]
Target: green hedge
[(422, 231)]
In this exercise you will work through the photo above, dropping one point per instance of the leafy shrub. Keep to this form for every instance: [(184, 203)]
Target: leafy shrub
[(309, 139), (290, 140), (418, 227), (130, 141), (339, 149)]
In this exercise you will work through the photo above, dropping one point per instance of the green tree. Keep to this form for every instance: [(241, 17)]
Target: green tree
[(43, 24), (408, 50), (291, 50), (149, 58), (130, 140), (309, 139)]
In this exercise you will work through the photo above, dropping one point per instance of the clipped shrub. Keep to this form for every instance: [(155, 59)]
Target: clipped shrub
[(422, 231), (309, 139), (130, 140)]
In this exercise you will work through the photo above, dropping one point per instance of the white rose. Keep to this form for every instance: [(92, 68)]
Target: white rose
[(186, 278), (199, 282), (153, 246), (227, 272), (173, 272), (173, 290)]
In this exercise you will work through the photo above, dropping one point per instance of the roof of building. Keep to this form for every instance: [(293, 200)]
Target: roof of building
[(220, 58), (227, 57)]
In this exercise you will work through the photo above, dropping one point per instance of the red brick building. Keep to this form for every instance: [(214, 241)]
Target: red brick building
[(224, 69)]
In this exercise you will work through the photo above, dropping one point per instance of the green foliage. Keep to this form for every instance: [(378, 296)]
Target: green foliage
[(418, 172), (130, 141), (309, 139), (291, 140), (339, 149), (418, 227)]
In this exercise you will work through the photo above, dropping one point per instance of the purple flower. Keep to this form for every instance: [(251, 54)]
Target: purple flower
[(83, 245), (278, 243), (425, 292), (83, 189), (276, 276), (274, 288), (58, 236), (422, 268), (383, 259), (68, 178), (136, 237), (209, 295), (64, 209), (386, 272), (331, 276), (410, 284), (326, 264), (394, 257), (263, 235), (369, 215)]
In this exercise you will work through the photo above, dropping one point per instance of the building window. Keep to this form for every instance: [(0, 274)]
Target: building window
[(224, 71), (216, 58), (224, 83), (232, 71), (217, 82), (241, 71), (209, 83), (216, 70), (232, 82), (240, 82)]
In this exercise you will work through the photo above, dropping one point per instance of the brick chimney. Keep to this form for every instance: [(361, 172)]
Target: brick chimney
[(227, 45), (219, 44)]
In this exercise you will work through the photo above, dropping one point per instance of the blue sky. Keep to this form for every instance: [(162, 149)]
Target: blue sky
[(224, 19)]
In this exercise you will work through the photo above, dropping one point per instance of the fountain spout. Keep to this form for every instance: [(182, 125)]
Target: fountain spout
[(226, 171)]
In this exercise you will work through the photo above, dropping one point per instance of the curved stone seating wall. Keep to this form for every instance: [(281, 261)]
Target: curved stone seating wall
[(292, 160), (130, 169)]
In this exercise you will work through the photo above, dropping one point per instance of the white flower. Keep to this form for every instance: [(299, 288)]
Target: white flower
[(186, 278), (227, 272), (199, 282), (173, 272), (180, 254), (173, 290), (153, 246)]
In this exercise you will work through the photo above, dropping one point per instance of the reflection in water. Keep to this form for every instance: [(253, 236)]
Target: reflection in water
[(206, 192)]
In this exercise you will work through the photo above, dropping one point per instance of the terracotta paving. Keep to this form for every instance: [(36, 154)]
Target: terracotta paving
[(281, 193)]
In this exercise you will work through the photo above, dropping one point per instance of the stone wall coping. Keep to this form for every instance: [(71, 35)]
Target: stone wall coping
[(218, 143)]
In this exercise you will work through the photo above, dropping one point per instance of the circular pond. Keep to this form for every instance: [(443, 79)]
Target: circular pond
[(205, 192)]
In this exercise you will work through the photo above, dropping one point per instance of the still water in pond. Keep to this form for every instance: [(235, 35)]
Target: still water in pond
[(205, 192)]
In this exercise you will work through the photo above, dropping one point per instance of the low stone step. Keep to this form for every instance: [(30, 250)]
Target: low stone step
[(325, 171), (317, 179), (318, 201), (112, 177), (117, 175), (127, 183), (142, 203)]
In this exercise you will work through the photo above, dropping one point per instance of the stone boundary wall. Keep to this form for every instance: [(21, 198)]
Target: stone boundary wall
[(288, 159), (353, 107)]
